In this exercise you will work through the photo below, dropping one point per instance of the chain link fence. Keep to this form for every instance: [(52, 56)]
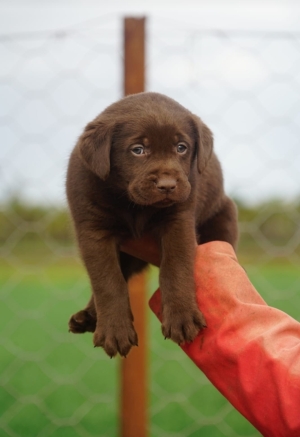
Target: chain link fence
[(245, 86)]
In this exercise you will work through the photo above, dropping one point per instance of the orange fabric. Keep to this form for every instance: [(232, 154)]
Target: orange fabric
[(249, 351)]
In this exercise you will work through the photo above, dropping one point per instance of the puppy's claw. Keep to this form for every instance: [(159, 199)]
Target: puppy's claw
[(201, 322)]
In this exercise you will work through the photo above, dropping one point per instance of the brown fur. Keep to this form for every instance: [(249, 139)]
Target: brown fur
[(130, 174)]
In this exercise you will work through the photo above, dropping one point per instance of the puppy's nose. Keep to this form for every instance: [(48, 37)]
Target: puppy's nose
[(166, 185)]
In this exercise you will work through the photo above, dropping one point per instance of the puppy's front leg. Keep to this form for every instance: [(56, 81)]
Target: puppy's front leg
[(182, 319), (114, 329)]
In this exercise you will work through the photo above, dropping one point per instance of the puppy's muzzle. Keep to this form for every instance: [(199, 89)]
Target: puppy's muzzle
[(166, 185), (160, 190)]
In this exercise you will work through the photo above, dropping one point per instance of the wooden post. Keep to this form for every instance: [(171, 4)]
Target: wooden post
[(134, 55), (134, 378)]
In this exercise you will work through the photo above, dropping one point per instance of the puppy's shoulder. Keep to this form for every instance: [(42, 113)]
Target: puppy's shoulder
[(82, 185)]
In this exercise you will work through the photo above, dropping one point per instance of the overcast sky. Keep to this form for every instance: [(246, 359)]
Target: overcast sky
[(245, 87), (21, 15)]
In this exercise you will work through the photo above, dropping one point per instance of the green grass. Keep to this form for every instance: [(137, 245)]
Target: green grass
[(56, 384)]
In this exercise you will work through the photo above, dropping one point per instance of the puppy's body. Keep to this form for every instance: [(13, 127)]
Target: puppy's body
[(145, 165)]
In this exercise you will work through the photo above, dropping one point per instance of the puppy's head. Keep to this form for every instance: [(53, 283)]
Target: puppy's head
[(148, 147)]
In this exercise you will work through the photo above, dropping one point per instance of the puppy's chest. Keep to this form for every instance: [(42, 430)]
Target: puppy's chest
[(136, 223)]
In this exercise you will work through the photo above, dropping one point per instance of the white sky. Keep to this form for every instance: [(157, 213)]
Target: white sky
[(21, 15)]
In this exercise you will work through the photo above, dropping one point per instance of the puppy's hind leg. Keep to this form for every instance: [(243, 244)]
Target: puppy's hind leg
[(84, 320)]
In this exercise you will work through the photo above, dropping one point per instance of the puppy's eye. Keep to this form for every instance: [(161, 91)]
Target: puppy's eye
[(181, 148), (138, 150)]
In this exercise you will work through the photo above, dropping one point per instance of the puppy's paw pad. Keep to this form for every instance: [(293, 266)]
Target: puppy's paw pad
[(82, 322)]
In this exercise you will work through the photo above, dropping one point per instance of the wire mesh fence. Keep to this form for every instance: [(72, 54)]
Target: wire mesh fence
[(245, 86)]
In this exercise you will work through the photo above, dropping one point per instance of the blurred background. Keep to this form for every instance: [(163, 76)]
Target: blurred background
[(236, 64)]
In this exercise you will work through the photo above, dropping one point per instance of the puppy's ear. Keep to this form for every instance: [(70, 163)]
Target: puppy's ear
[(94, 147), (204, 143)]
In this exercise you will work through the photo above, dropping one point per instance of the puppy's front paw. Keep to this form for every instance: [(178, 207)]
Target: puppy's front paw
[(182, 326), (81, 322), (116, 338)]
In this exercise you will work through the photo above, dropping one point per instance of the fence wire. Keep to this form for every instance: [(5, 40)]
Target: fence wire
[(245, 86)]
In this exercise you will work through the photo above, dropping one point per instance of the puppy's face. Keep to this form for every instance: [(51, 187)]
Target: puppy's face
[(153, 162), (148, 147)]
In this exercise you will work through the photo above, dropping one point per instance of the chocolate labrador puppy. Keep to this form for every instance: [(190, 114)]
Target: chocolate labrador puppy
[(145, 165)]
